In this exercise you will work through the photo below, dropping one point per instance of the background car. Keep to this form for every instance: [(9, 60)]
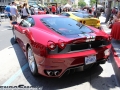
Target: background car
[(55, 45), (81, 11), (3, 15), (84, 18)]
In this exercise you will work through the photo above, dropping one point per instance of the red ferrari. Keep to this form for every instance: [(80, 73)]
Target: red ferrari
[(55, 45)]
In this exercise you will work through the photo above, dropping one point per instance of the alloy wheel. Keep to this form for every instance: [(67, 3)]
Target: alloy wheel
[(31, 61)]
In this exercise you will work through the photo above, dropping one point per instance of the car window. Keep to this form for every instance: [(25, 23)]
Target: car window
[(65, 14), (31, 21), (83, 15), (65, 26), (28, 22), (24, 23), (78, 14)]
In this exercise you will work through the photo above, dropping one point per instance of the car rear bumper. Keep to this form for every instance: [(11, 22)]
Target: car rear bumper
[(83, 67), (65, 62)]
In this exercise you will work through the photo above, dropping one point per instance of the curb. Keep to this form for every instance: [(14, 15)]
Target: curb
[(115, 60), (116, 64)]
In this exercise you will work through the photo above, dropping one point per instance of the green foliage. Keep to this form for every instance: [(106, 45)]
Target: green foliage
[(74, 6), (92, 2), (63, 2), (81, 3)]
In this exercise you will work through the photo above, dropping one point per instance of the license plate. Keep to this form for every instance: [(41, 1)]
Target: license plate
[(90, 59)]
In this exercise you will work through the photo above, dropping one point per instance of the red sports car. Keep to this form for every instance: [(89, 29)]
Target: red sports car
[(55, 45)]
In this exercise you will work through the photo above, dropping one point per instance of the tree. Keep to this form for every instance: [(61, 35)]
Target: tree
[(63, 2), (82, 3), (74, 6), (60, 1), (92, 2)]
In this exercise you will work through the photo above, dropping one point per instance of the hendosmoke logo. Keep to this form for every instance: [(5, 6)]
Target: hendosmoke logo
[(20, 87)]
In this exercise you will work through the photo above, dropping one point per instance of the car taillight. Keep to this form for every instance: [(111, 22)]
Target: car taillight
[(61, 44), (84, 22), (109, 38), (98, 21), (80, 21), (51, 45)]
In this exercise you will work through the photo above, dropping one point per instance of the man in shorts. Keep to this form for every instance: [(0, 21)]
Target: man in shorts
[(7, 9), (14, 12)]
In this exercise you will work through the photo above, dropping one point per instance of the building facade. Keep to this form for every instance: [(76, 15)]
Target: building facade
[(3, 3), (103, 3), (115, 3)]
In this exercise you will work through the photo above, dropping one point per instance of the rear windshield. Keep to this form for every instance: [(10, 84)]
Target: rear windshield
[(65, 26), (83, 15)]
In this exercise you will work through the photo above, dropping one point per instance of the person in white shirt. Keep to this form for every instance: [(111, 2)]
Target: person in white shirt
[(25, 11), (36, 10), (14, 12)]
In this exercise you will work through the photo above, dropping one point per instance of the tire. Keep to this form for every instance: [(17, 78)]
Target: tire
[(32, 62), (14, 36)]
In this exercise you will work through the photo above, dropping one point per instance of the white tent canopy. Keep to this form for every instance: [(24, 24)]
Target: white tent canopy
[(67, 5), (99, 6)]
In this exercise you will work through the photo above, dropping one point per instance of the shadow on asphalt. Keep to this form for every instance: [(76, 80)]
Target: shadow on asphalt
[(8, 27), (91, 76)]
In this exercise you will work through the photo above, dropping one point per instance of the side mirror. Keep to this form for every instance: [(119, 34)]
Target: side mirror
[(14, 23)]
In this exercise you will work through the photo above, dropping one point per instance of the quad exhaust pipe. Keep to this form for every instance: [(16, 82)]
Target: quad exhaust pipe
[(52, 72)]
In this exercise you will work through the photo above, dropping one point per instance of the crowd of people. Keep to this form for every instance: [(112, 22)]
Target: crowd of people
[(114, 23), (12, 11), (26, 10), (114, 17)]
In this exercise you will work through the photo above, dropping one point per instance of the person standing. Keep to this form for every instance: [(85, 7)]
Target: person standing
[(7, 9), (53, 9), (14, 12), (106, 11), (25, 11), (60, 9), (116, 18), (32, 10), (115, 28)]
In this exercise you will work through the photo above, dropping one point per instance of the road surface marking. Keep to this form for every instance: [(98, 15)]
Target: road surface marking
[(14, 76), (4, 30)]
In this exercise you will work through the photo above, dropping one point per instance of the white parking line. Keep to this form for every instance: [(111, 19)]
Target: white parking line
[(15, 75), (4, 30)]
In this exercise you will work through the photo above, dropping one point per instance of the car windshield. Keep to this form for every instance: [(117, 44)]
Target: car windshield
[(83, 15), (65, 26)]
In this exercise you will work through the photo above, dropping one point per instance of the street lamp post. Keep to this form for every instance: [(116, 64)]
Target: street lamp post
[(96, 14), (96, 4)]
